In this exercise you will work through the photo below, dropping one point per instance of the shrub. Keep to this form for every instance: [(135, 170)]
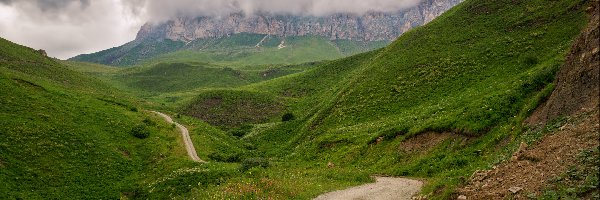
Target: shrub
[(149, 122), (140, 132), (249, 163), (287, 117), (241, 131), (530, 60), (224, 157)]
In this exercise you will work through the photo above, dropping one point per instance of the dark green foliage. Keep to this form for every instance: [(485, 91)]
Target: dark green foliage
[(149, 122), (530, 60), (225, 157), (140, 131), (254, 162), (288, 117), (241, 131)]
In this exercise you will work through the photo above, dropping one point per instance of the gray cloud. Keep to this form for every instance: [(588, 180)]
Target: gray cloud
[(46, 5), (59, 4), (163, 10), (66, 28)]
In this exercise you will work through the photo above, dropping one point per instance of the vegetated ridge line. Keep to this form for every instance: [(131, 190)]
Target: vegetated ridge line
[(189, 146)]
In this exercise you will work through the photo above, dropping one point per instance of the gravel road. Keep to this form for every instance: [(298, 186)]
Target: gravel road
[(189, 146), (386, 188)]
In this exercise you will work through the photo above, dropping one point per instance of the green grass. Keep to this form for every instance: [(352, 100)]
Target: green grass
[(176, 77), (90, 68), (476, 72), (130, 53), (236, 50), (64, 135)]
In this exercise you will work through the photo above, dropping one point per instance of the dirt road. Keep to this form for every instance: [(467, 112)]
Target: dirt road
[(386, 188), (189, 146)]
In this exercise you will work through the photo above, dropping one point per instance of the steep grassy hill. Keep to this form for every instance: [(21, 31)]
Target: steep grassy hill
[(64, 135), (237, 50), (440, 102), (444, 76)]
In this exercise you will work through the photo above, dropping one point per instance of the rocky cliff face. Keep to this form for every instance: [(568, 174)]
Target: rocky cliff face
[(577, 82), (368, 27)]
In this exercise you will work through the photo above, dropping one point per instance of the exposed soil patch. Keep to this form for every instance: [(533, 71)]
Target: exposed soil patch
[(426, 141), (577, 82), (231, 109), (211, 102), (532, 168)]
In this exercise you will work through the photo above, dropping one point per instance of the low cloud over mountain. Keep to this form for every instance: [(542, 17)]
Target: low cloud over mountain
[(69, 27)]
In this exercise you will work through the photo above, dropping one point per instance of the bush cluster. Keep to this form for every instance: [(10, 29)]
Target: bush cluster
[(249, 163), (241, 131), (287, 117), (140, 131)]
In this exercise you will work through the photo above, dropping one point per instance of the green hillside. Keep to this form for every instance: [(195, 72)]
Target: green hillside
[(64, 135), (173, 77), (469, 77), (235, 50), (443, 77), (439, 103)]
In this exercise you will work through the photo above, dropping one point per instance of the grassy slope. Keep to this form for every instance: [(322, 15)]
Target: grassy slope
[(177, 77), (441, 76), (478, 71), (64, 135), (129, 54), (236, 50), (170, 85)]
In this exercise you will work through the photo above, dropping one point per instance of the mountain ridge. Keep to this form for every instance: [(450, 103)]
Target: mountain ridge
[(338, 35), (372, 26)]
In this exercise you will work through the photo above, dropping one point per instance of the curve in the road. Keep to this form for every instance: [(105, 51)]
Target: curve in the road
[(189, 146), (386, 188)]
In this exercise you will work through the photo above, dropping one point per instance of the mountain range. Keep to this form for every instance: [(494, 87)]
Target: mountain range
[(267, 30)]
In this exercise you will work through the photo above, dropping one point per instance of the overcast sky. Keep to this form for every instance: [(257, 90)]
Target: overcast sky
[(66, 28)]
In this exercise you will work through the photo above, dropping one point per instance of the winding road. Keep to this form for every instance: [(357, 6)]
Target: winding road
[(189, 146), (385, 188)]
